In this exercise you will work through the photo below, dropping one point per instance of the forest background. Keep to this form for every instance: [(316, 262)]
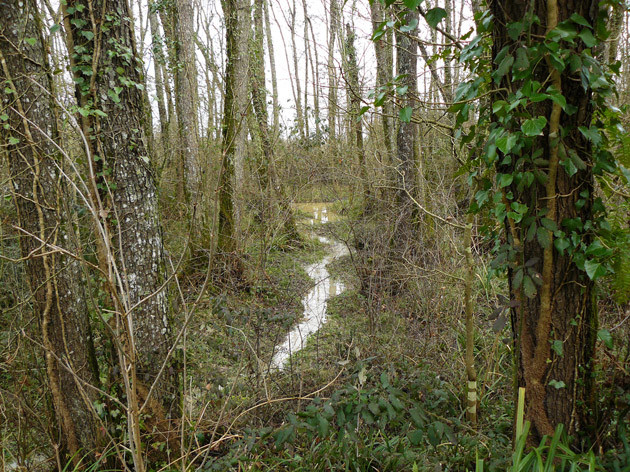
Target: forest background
[(162, 161)]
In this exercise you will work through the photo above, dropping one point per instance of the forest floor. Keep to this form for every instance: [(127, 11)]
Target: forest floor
[(379, 387), (362, 395)]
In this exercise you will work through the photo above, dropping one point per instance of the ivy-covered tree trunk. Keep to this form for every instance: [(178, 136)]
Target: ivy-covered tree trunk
[(131, 252), (47, 238), (547, 179)]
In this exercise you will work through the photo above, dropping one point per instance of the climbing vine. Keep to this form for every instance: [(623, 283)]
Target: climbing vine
[(507, 134)]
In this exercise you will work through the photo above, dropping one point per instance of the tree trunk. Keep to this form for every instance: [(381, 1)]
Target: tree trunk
[(558, 381), (158, 61), (315, 69), (187, 99), (356, 123), (384, 66), (274, 80), (296, 69), (332, 72), (407, 130), (124, 195), (40, 195), (267, 173), (236, 14), (307, 62)]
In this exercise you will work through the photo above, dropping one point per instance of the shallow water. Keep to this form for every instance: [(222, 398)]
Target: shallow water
[(316, 300)]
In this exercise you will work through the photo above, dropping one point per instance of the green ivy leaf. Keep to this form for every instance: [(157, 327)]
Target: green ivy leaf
[(557, 347), (30, 41), (506, 143), (505, 180), (405, 114), (592, 134), (579, 19), (412, 4), (113, 95), (528, 287), (534, 126), (587, 37), (13, 141), (503, 68), (594, 269), (558, 384), (549, 224), (415, 437), (413, 24), (605, 337), (54, 28), (434, 16)]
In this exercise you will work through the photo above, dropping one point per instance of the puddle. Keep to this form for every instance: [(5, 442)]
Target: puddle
[(316, 301), (319, 211)]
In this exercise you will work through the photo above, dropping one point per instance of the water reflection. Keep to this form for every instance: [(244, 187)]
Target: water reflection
[(316, 301)]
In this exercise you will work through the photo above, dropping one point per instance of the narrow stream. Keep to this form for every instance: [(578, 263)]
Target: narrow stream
[(316, 300)]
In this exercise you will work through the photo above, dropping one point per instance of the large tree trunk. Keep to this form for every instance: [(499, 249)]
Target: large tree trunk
[(40, 194), (557, 381), (186, 98), (235, 105), (124, 194)]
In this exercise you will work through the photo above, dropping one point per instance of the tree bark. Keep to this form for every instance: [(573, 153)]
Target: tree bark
[(407, 131), (187, 98), (266, 169), (384, 67), (40, 194), (356, 123), (332, 72), (235, 107), (131, 250), (562, 310), (274, 80), (158, 61), (315, 69), (296, 69)]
